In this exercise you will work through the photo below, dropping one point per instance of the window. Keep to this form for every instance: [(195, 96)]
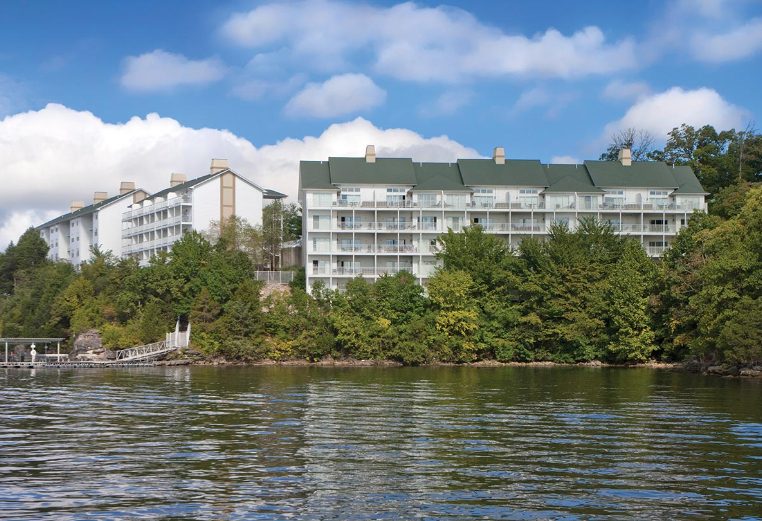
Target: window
[(658, 198), (427, 222), (529, 198), (395, 196), (427, 200), (588, 202), (613, 198), (456, 200), (484, 197), (349, 196)]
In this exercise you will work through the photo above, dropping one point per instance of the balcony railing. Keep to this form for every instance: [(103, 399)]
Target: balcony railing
[(153, 208)]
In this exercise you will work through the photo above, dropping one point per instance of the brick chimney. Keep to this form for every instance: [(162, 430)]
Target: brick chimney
[(76, 205), (370, 154), (177, 179), (218, 165), (126, 187), (625, 157), (100, 196), (498, 155), (138, 196)]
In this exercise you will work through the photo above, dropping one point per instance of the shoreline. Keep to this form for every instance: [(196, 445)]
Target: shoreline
[(690, 367)]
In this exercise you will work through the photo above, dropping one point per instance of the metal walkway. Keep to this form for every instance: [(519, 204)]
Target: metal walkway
[(144, 355)]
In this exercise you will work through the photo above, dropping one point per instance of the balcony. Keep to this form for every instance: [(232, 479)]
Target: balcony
[(656, 251), (153, 208)]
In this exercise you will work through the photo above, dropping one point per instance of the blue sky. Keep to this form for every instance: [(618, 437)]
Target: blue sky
[(546, 80)]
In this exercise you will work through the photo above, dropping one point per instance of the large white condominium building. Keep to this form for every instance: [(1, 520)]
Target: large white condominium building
[(70, 236), (152, 224), (369, 216)]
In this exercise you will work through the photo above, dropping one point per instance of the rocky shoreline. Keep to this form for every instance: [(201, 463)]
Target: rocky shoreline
[(693, 367)]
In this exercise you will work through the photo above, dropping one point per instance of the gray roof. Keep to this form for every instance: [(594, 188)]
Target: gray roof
[(590, 177), (515, 172), (87, 210)]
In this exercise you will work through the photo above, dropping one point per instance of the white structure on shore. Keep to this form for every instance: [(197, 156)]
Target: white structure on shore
[(154, 223), (70, 236), (136, 224), (371, 216)]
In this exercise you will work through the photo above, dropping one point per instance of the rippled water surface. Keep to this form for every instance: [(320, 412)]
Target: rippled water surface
[(370, 443)]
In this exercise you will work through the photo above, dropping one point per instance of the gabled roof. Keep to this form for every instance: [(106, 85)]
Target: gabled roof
[(87, 210), (266, 193), (183, 186), (515, 172), (356, 170), (687, 181), (651, 174), (315, 175), (569, 179), (438, 176)]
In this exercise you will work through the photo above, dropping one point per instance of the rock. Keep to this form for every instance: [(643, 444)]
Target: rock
[(717, 369), (89, 348), (750, 372)]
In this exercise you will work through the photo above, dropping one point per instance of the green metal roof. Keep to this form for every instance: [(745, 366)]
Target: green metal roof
[(569, 179), (687, 181), (589, 177), (87, 210), (315, 175), (641, 174), (438, 176), (356, 170), (515, 172)]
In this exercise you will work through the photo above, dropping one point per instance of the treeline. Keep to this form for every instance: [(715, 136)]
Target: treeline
[(580, 295)]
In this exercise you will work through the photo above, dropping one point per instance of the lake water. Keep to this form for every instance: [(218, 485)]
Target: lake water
[(378, 443)]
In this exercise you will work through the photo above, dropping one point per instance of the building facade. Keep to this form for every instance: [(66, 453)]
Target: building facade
[(369, 216), (138, 225), (154, 223), (70, 236)]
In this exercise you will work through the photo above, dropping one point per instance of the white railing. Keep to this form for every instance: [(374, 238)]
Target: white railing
[(274, 277)]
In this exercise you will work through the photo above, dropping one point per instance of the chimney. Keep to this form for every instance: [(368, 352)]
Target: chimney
[(138, 196), (218, 165), (499, 155), (126, 187), (177, 179), (76, 205), (100, 196), (625, 157), (370, 154)]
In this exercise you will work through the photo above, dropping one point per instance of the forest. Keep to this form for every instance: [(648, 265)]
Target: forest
[(580, 295)]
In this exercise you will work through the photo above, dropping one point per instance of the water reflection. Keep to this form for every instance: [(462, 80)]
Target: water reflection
[(317, 443)]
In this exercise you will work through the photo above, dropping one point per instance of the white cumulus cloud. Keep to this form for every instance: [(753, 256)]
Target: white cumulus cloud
[(337, 96), (55, 155), (740, 42), (412, 42), (661, 112), (160, 71)]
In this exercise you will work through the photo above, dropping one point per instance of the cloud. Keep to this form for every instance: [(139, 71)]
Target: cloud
[(538, 97), (626, 90), (661, 112), (161, 71), (55, 155), (564, 160), (416, 43), (13, 224), (741, 42), (337, 96), (447, 103)]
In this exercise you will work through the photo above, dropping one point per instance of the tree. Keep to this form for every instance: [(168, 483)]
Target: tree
[(280, 223), (21, 258), (639, 141)]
